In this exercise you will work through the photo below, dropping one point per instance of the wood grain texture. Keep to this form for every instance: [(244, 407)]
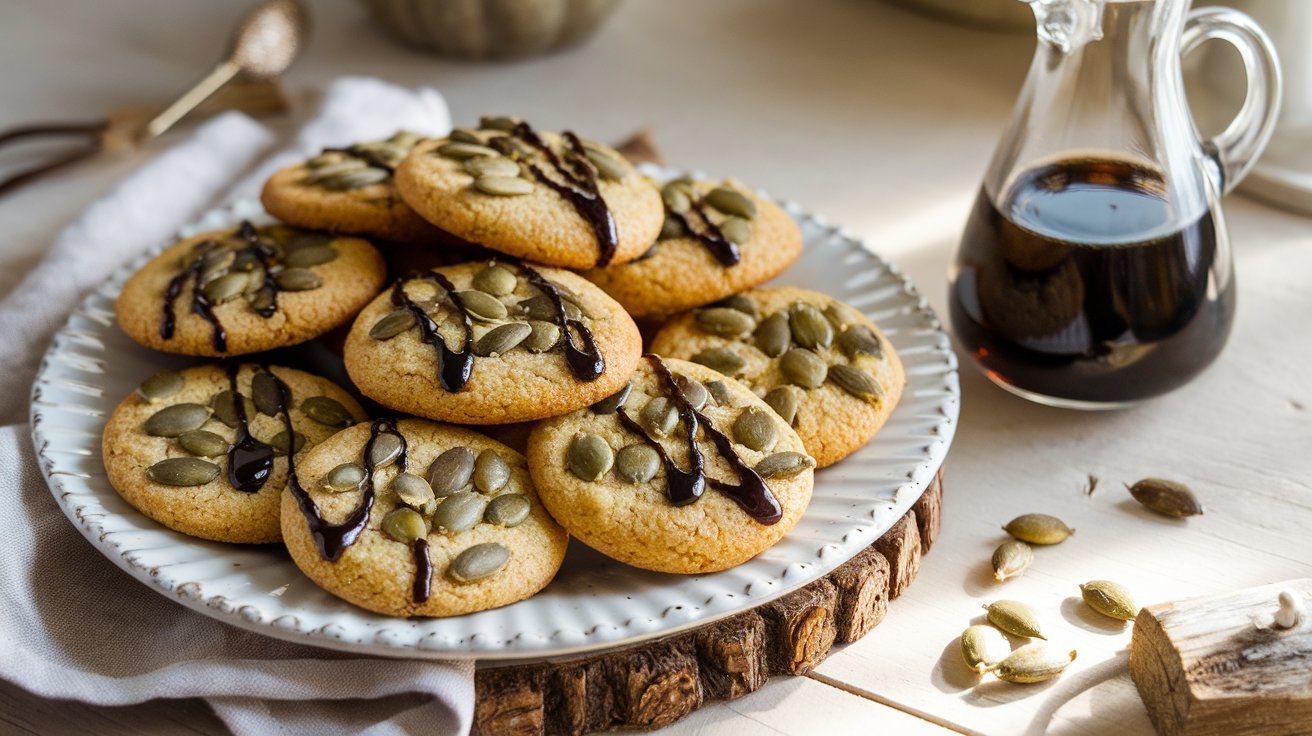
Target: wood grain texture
[(656, 684), (1214, 666)]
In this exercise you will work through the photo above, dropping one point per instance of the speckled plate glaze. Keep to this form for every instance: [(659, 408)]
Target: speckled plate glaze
[(594, 602)]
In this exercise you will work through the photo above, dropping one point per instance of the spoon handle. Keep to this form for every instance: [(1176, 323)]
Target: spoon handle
[(221, 75)]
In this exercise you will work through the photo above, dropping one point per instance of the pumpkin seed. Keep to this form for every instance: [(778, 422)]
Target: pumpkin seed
[(298, 279), (183, 471), (325, 158), (609, 167), (1011, 559), (353, 179), (412, 490), (736, 230), (333, 168), (983, 647), (731, 202), (461, 151), (254, 281), (225, 408), (612, 403), (724, 321), (509, 146), (784, 400), (405, 525), (451, 471), (1166, 497), (498, 122), (637, 463), (311, 256), (281, 443), (327, 411), (1015, 618), (1038, 529), (839, 315), (860, 340), (503, 186), (589, 457), (225, 288), (488, 166), (491, 472), (495, 280), (1110, 599), (482, 306), (162, 385), (783, 464), (507, 510), (264, 298), (502, 339), (392, 324), (465, 135), (676, 199), (740, 302), (809, 327), (671, 227), (458, 512), (266, 392), (659, 416), (344, 477), (692, 391), (172, 421), (1034, 663), (478, 562), (856, 382), (773, 335), (386, 448), (722, 360), (755, 429), (542, 336), (803, 368), (305, 239), (203, 443), (719, 390), (542, 308)]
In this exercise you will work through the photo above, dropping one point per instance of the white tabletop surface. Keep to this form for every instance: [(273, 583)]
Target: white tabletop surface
[(883, 121)]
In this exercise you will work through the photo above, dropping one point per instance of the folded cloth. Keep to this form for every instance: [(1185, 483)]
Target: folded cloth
[(72, 625)]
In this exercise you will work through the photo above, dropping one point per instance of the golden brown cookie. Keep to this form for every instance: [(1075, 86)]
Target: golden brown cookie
[(182, 452), (260, 288), (451, 523), (601, 474), (549, 198), (350, 191), (821, 364), (718, 239), (494, 349)]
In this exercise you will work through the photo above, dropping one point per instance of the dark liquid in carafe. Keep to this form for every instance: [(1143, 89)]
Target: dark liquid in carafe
[(1080, 288)]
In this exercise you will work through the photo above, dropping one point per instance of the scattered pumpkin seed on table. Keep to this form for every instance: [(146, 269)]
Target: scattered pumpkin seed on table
[(1166, 497), (1034, 663), (1011, 559), (1015, 617), (983, 647), (1112, 600), (1038, 529)]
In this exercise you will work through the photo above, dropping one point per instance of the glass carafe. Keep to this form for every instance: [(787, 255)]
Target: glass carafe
[(1095, 269)]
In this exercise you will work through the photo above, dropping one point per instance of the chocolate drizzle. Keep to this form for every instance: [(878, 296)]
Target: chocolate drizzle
[(333, 539), (577, 184), (684, 487), (250, 462), (453, 366), (724, 250), (423, 570), (586, 363)]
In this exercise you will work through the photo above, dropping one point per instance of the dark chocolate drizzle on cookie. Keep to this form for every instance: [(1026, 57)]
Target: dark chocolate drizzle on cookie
[(250, 461), (453, 366), (586, 362), (708, 234), (684, 487), (423, 570), (576, 181)]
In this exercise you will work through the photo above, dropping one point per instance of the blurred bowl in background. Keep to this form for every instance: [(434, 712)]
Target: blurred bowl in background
[(490, 29), (1010, 15)]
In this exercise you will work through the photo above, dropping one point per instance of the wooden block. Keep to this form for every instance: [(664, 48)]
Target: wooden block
[(900, 545), (655, 685), (800, 628), (731, 655), (565, 700), (508, 700), (862, 585), (1213, 666), (929, 512)]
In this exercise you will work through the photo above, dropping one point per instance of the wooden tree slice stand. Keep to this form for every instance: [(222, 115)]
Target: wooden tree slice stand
[(656, 683)]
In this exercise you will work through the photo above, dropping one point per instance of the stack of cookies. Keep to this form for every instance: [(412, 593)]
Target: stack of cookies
[(501, 398)]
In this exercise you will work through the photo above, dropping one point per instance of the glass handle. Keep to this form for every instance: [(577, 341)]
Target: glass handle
[(1237, 147)]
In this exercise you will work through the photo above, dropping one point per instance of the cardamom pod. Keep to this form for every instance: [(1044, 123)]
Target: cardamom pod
[(1015, 618), (1110, 599), (984, 647), (1011, 559), (1038, 529), (1034, 663), (1166, 497)]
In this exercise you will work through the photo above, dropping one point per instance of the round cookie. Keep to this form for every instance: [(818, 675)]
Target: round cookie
[(197, 402), (260, 288), (802, 349), (410, 555), (544, 197), (704, 253), (512, 364), (604, 482), (350, 190)]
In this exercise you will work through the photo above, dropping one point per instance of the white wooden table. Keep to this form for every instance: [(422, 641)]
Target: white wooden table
[(883, 121)]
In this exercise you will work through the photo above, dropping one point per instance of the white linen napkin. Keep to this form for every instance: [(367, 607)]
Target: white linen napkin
[(72, 625)]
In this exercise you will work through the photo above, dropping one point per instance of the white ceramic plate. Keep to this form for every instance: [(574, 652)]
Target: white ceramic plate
[(594, 602)]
